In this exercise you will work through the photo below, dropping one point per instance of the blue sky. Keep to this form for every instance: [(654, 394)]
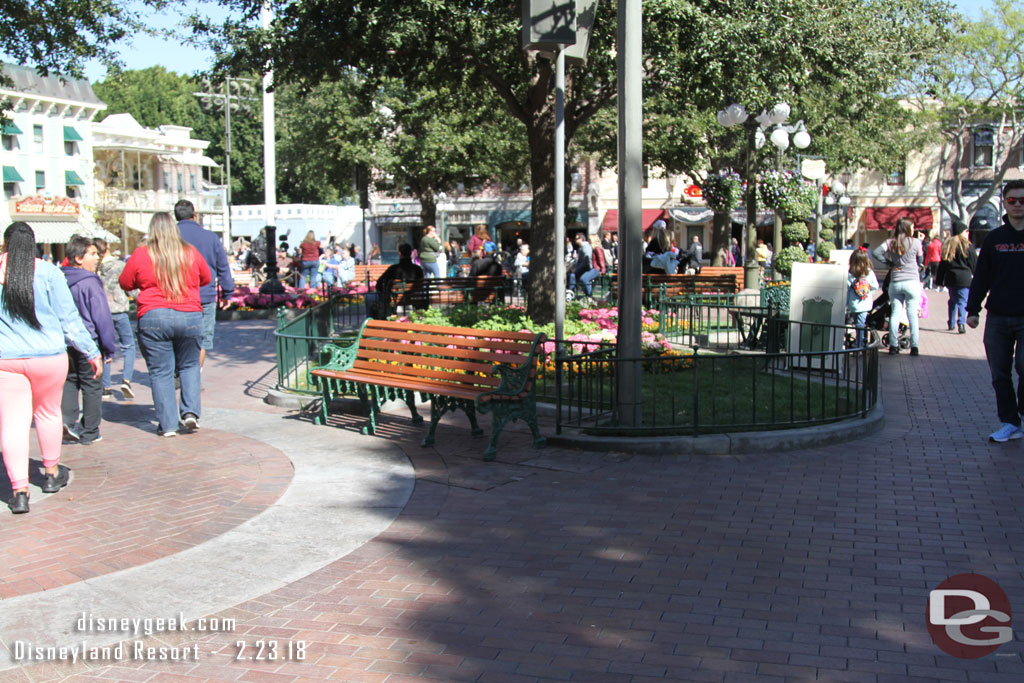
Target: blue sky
[(144, 51)]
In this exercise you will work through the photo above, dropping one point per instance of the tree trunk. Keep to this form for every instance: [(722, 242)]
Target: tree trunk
[(541, 305), (428, 208), (721, 235)]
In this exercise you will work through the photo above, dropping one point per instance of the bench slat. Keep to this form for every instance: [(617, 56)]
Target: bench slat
[(451, 350), (401, 382), (461, 342), (407, 365), (393, 325)]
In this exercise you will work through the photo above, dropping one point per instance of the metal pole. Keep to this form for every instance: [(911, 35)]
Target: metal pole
[(560, 200), (751, 271), (630, 78), (272, 285), (777, 234), (817, 218)]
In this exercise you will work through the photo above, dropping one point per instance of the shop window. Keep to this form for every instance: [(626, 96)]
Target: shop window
[(897, 176), (40, 181), (37, 138), (983, 148)]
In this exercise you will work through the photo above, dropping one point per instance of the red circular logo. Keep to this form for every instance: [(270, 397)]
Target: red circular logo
[(968, 616)]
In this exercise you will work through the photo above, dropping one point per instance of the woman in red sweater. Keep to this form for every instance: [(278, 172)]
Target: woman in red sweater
[(309, 250), (168, 273)]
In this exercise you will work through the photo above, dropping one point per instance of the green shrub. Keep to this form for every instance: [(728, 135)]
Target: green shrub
[(827, 234), (824, 250), (795, 232), (827, 223), (785, 259)]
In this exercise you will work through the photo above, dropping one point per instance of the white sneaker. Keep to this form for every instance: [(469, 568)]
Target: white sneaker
[(1007, 432)]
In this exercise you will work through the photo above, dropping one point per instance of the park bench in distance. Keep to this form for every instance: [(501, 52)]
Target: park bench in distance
[(457, 367), (368, 273), (446, 292), (710, 280)]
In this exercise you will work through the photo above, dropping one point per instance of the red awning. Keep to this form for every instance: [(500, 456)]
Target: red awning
[(884, 218), (611, 219)]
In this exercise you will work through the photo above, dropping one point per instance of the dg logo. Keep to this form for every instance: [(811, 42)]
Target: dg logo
[(969, 616)]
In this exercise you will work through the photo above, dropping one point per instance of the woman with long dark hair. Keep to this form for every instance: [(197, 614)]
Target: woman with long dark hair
[(905, 256), (38, 321), (168, 273), (957, 262)]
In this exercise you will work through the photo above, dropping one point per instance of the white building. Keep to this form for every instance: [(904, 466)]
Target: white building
[(140, 171), (47, 155), (293, 221)]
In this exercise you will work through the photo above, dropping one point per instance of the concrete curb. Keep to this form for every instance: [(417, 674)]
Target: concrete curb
[(738, 443)]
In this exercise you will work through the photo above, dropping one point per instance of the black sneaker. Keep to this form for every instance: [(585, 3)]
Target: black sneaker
[(89, 442), (107, 391), (893, 350), (126, 390), (70, 434), (914, 351), (190, 422), (18, 503), (55, 482), (961, 329)]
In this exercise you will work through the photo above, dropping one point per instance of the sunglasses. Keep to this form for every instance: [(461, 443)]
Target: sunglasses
[(1013, 201)]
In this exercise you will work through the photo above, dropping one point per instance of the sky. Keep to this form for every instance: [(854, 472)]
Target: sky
[(145, 51)]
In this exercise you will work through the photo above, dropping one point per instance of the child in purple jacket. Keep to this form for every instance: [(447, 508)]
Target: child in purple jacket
[(91, 300)]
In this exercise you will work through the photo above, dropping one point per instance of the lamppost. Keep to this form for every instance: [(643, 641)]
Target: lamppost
[(838, 197), (736, 114)]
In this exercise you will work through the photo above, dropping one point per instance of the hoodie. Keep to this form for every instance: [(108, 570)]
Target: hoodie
[(91, 300)]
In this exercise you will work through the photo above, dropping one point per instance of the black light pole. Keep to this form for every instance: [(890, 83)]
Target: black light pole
[(271, 285)]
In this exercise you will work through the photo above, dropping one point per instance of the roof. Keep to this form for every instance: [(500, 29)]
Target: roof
[(27, 80)]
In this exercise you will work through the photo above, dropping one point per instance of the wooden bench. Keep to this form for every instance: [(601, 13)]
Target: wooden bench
[(446, 292), (369, 273), (457, 367), (656, 285)]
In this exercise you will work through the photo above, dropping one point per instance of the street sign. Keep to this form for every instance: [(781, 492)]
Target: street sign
[(548, 25), (813, 169)]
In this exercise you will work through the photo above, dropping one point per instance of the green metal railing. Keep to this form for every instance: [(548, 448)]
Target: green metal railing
[(815, 377)]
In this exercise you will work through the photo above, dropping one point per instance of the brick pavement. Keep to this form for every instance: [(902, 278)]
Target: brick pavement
[(561, 565)]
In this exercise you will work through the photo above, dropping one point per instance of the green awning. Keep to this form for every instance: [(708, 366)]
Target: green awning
[(71, 178), (71, 135), (11, 129), (11, 175)]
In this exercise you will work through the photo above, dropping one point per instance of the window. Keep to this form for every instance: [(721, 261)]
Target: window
[(70, 148), (37, 138), (192, 181), (10, 190), (181, 182), (167, 181), (647, 176), (40, 181), (897, 176), (983, 148), (72, 191), (10, 143)]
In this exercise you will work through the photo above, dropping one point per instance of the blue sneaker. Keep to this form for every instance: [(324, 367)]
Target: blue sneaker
[(1007, 432)]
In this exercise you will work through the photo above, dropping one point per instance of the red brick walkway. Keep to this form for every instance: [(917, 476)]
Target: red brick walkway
[(558, 565)]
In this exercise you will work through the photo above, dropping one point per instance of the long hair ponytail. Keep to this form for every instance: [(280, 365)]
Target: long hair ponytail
[(904, 236), (19, 298), (955, 245), (171, 256)]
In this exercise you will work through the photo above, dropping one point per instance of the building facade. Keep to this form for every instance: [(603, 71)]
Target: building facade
[(46, 154), (140, 171)]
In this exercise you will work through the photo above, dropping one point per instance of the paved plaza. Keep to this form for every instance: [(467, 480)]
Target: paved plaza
[(315, 552)]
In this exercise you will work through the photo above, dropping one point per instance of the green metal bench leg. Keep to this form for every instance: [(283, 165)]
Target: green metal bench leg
[(371, 409), (538, 440), (470, 411), (497, 424), (410, 400), (325, 390), (437, 411)]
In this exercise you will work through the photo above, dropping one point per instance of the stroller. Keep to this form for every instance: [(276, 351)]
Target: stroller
[(878, 321)]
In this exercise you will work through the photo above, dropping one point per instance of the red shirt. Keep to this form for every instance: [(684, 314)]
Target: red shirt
[(139, 274), (934, 252), (310, 251)]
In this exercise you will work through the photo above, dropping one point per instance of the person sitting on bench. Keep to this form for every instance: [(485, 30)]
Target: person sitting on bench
[(404, 270)]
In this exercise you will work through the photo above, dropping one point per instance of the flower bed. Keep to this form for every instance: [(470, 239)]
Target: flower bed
[(250, 299)]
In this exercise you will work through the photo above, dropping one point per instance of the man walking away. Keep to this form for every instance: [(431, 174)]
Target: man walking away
[(212, 251), (1000, 276)]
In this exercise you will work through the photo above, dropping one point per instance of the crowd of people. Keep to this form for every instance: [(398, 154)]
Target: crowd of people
[(61, 328)]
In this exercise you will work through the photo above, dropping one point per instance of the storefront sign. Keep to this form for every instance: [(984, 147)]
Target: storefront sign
[(43, 206), (693, 191)]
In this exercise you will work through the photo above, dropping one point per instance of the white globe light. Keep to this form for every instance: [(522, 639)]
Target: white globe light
[(832, 198), (839, 187), (780, 138), (723, 118), (759, 138), (802, 139), (779, 113), (844, 200), (737, 112)]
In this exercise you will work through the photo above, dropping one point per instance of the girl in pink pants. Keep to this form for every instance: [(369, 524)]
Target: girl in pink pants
[(38, 321), (30, 388)]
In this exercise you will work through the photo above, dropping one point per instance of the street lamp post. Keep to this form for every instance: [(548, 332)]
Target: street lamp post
[(736, 114)]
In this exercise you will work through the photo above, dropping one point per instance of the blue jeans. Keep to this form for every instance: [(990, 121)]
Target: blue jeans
[(126, 345), (430, 269), (585, 280), (860, 321), (904, 295), (170, 339), (958, 305), (308, 276), (1004, 348), (209, 325)]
